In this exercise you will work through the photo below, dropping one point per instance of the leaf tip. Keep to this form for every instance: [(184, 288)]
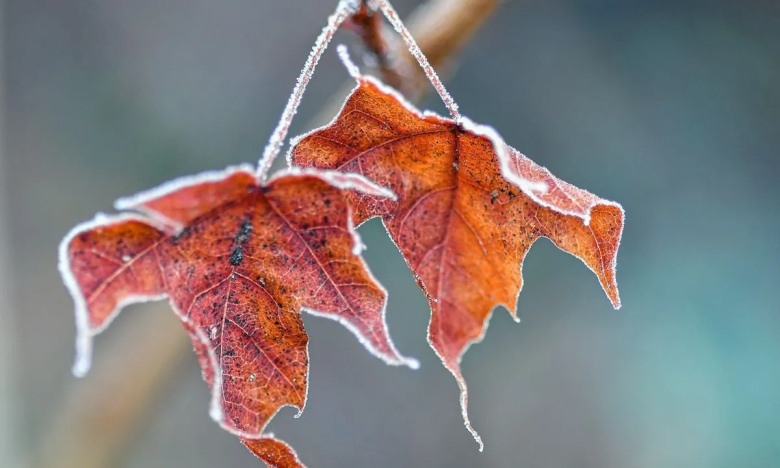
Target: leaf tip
[(466, 421), (82, 365), (399, 360), (346, 60), (610, 287), (474, 433), (357, 242), (83, 360)]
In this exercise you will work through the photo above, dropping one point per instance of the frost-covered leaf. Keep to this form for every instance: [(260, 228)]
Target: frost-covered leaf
[(468, 209), (238, 259)]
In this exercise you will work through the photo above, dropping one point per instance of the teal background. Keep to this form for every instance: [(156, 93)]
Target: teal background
[(671, 108)]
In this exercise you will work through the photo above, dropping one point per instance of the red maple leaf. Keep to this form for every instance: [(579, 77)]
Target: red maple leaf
[(238, 260), (468, 208)]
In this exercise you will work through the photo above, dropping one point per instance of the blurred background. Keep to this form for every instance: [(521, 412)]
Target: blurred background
[(671, 108)]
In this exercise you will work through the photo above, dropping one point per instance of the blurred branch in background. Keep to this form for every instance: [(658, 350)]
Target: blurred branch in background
[(109, 406), (368, 26), (8, 451)]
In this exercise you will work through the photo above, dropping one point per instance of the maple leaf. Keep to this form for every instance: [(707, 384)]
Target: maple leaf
[(468, 209), (238, 259)]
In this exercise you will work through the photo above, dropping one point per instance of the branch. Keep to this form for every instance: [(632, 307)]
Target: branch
[(441, 28), (104, 412)]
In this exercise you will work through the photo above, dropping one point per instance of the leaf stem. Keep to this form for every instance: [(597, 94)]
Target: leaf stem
[(344, 10), (414, 49)]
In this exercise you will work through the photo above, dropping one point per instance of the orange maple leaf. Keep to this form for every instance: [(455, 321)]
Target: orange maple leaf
[(468, 208), (238, 260)]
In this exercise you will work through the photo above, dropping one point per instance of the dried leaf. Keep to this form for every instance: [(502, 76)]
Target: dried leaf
[(468, 209), (238, 260)]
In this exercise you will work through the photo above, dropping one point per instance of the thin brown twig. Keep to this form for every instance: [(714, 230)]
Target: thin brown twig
[(123, 389)]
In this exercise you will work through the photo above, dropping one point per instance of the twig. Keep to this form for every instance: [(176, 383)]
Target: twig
[(441, 28)]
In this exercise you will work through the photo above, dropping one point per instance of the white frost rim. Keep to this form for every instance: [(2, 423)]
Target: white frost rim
[(138, 201), (339, 180), (528, 187), (84, 332), (270, 435)]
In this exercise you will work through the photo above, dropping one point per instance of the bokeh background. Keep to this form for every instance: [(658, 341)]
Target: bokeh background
[(670, 107)]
